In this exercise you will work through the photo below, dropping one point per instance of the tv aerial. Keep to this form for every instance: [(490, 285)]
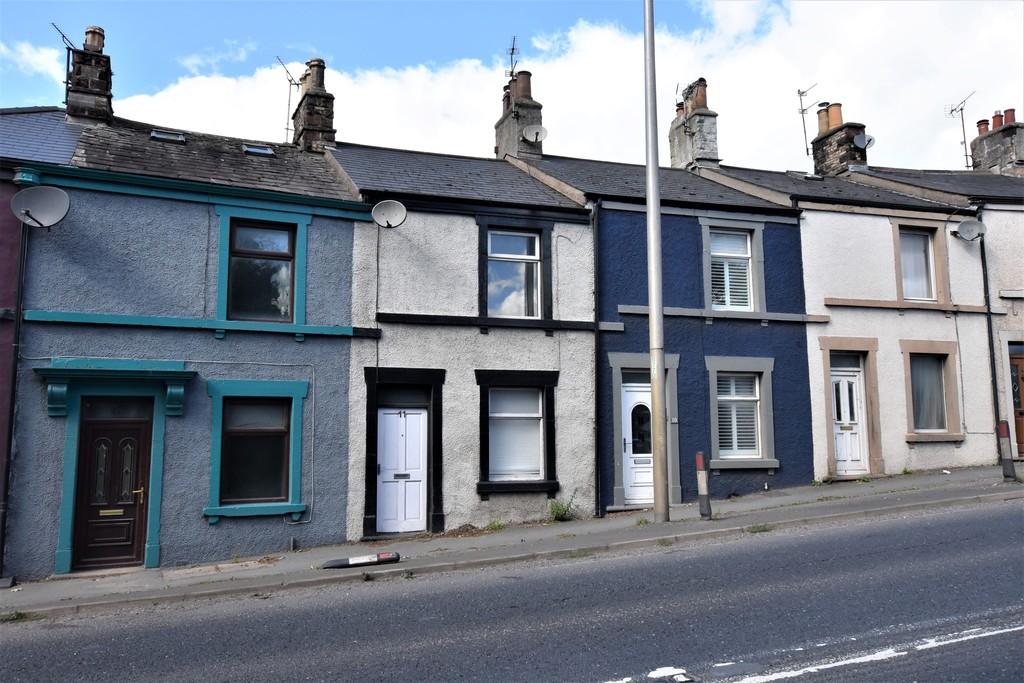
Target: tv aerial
[(803, 114), (952, 111), (41, 207), (292, 83), (388, 213)]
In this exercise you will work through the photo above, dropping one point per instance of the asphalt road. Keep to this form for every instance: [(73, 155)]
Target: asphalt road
[(927, 597)]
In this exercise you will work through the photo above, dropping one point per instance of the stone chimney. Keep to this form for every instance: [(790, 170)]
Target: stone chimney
[(518, 110), (88, 87), (313, 119), (1001, 149), (693, 134), (833, 149)]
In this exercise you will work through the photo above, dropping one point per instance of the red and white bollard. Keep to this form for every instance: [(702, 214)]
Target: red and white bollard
[(704, 500)]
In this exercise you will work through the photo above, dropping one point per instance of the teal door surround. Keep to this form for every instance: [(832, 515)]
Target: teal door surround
[(70, 379)]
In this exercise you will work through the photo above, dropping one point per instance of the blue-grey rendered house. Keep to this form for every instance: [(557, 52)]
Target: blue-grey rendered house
[(182, 386), (737, 385)]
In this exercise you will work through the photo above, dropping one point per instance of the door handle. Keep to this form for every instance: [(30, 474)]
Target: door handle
[(141, 493)]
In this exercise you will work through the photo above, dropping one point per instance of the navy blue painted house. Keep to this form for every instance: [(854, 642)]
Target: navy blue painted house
[(735, 321)]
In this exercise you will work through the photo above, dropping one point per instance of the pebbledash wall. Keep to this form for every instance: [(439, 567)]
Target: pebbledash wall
[(886, 334), (429, 266), (128, 281), (772, 339)]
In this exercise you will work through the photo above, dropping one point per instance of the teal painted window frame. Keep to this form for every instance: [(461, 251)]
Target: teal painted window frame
[(301, 222), (218, 390), (65, 530)]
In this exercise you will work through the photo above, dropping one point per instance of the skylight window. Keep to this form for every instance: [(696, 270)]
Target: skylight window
[(257, 150), (167, 136)]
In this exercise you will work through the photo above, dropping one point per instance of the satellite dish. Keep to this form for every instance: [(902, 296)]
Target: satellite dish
[(863, 140), (969, 230), (388, 213), (535, 133), (42, 206)]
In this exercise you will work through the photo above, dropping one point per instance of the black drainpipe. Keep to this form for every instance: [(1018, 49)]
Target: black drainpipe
[(595, 209)]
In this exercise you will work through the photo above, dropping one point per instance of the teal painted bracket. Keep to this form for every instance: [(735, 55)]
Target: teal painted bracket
[(64, 372), (66, 525), (206, 193), (218, 389), (213, 514), (301, 222), (219, 327)]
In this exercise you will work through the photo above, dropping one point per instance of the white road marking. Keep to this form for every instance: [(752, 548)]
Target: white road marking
[(725, 664), (665, 671), (882, 655), (627, 679)]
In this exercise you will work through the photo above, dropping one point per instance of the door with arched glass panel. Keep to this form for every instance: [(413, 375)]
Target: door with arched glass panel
[(637, 454)]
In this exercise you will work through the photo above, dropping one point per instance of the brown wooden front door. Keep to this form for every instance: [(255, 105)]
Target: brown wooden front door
[(1016, 377), (113, 473)]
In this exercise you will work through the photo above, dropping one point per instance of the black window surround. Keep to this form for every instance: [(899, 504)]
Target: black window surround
[(546, 380), (541, 228)]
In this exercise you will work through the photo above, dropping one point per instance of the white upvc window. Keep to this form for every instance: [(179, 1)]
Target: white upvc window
[(513, 274), (928, 396), (917, 264), (738, 409), (730, 270), (515, 434)]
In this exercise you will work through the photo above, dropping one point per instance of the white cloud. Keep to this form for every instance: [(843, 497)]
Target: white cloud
[(209, 60), (32, 60), (894, 66)]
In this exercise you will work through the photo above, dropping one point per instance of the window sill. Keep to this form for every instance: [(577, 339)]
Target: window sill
[(926, 437), (744, 464), (548, 486), (214, 513)]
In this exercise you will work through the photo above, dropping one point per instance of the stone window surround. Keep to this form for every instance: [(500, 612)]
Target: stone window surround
[(756, 232), (949, 389), (867, 347), (940, 260), (749, 364), (619, 363), (218, 390)]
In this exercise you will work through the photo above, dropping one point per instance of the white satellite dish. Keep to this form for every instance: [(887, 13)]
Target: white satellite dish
[(42, 206), (388, 213), (535, 133), (863, 140), (969, 230)]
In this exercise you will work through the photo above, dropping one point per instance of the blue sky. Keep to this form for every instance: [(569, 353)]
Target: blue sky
[(354, 35), (428, 74)]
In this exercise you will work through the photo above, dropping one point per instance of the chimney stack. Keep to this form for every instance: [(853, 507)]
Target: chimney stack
[(313, 119), (693, 134), (1001, 149), (89, 81), (518, 110), (833, 149)]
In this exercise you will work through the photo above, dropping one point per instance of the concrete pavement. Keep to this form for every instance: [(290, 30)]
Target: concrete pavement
[(459, 549)]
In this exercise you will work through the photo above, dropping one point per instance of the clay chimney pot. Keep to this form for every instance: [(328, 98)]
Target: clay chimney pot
[(94, 38), (524, 90), (700, 94), (835, 115), (822, 121), (997, 120), (982, 127), (1009, 116)]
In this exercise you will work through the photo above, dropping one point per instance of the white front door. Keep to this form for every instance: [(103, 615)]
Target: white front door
[(848, 425), (637, 454), (401, 469)]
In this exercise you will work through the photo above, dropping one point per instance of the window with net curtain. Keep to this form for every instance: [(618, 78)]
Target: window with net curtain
[(515, 434), (738, 429), (927, 392), (916, 264), (730, 270)]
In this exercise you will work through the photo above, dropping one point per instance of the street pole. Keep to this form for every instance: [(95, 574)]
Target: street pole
[(654, 300)]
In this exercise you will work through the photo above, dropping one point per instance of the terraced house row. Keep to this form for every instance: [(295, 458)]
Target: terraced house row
[(218, 352)]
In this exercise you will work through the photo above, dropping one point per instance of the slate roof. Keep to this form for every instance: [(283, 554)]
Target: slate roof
[(426, 174), (967, 183), (629, 181), (42, 135), (37, 134), (828, 189)]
